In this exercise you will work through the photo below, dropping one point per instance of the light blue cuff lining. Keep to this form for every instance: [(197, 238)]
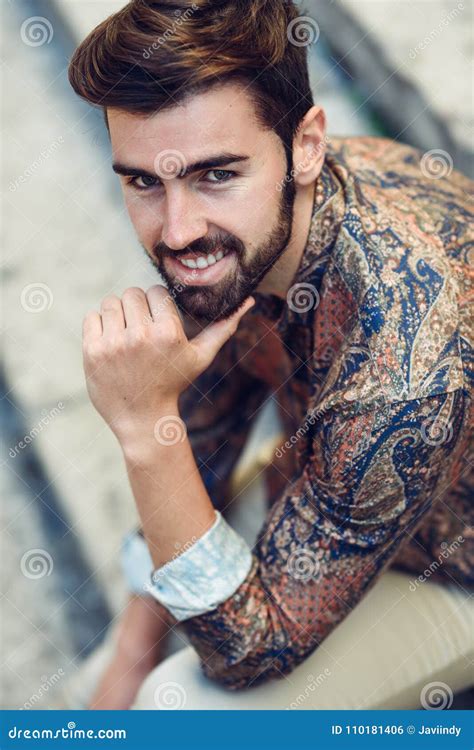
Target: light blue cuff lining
[(198, 579)]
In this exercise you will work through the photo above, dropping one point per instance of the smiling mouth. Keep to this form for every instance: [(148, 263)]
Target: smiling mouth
[(202, 260)]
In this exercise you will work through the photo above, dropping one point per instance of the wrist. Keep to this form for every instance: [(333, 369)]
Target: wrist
[(145, 437)]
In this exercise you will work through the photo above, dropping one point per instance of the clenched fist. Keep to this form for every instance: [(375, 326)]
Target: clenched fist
[(138, 359)]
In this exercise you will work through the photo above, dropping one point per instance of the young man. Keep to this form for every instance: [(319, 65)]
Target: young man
[(354, 252)]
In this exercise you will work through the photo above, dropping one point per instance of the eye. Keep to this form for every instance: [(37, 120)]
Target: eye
[(149, 182), (225, 172)]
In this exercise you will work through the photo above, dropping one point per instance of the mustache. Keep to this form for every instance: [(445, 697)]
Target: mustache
[(202, 245)]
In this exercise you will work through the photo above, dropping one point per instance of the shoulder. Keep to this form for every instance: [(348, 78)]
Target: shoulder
[(402, 253)]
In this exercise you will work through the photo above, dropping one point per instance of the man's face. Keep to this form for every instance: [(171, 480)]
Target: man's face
[(237, 207)]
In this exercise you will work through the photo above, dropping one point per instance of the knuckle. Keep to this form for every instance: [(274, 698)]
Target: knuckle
[(92, 351), (110, 302), (137, 337), (115, 345), (133, 293), (169, 334)]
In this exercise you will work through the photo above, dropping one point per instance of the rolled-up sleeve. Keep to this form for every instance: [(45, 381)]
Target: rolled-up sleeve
[(205, 573), (368, 482)]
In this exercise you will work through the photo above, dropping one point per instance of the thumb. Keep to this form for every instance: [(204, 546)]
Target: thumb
[(212, 338)]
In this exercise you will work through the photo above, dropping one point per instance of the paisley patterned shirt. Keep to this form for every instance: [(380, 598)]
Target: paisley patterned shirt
[(370, 363)]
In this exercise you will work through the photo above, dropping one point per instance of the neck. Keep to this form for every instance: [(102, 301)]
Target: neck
[(278, 280)]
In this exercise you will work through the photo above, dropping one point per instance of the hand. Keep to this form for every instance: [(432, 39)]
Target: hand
[(138, 359)]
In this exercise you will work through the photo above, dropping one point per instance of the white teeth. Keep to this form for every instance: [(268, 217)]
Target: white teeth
[(188, 263), (202, 262)]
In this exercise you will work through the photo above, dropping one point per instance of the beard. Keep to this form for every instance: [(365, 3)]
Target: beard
[(221, 299)]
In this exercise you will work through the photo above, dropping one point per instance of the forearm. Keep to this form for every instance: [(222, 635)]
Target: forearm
[(143, 622), (172, 501)]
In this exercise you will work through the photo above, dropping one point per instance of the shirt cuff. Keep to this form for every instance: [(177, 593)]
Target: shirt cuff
[(136, 562), (205, 574)]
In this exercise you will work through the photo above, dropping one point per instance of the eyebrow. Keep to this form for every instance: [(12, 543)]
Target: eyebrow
[(220, 160)]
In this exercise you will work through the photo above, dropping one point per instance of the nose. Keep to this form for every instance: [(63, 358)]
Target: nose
[(183, 218)]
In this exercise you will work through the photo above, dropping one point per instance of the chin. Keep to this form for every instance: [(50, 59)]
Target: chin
[(208, 308)]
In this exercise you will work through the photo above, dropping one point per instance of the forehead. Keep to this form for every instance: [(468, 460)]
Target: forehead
[(222, 117)]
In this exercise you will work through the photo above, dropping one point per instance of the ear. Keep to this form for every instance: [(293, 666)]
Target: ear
[(309, 146)]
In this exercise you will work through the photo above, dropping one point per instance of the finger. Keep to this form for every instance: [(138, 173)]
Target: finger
[(209, 341), (135, 307), (91, 326), (162, 304), (112, 315)]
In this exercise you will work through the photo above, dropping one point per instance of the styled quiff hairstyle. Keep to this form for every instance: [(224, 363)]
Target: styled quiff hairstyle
[(150, 56)]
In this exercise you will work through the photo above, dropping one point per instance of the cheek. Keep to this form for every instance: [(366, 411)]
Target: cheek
[(144, 220), (257, 212)]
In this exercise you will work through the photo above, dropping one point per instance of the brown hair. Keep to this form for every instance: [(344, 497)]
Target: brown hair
[(149, 56)]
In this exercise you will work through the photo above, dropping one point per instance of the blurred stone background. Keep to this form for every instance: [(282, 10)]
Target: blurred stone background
[(401, 68)]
